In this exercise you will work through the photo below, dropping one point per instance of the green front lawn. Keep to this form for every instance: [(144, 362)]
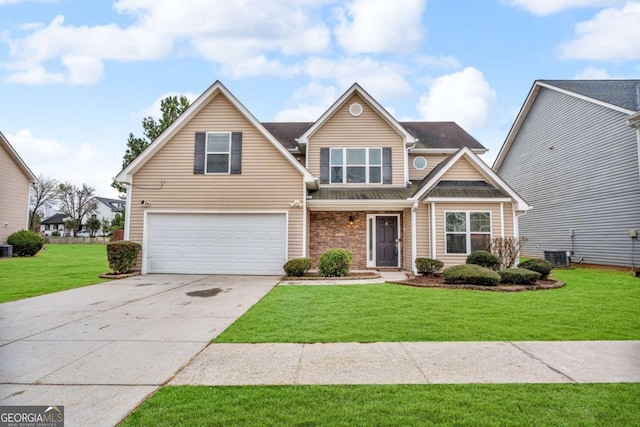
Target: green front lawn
[(595, 305), (56, 268), (393, 405)]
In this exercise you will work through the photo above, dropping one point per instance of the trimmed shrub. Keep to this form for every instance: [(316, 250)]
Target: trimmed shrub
[(297, 266), (539, 265), (25, 242), (519, 276), (122, 255), (428, 266), (471, 274), (334, 262), (484, 259)]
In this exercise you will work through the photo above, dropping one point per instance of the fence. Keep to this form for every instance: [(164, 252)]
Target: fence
[(77, 240)]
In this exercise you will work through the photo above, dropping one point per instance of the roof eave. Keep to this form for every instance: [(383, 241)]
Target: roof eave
[(357, 204)]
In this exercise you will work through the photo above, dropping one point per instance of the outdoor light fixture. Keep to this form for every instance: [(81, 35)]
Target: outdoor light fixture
[(350, 220)]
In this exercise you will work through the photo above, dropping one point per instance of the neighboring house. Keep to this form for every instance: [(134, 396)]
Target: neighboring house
[(53, 223), (573, 153), (15, 190), (105, 209), (220, 192)]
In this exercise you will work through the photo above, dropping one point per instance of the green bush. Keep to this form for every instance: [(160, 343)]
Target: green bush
[(471, 274), (539, 265), (25, 242), (334, 262), (428, 266), (484, 259), (122, 255), (519, 276), (55, 233), (297, 266)]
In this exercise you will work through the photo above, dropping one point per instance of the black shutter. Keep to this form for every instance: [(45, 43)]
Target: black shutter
[(386, 165), (324, 166), (236, 153), (199, 153)]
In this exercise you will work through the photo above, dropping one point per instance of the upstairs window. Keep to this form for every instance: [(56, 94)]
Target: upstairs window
[(467, 231), (218, 152), (356, 165)]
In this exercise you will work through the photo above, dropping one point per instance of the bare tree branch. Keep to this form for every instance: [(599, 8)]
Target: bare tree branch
[(76, 202), (43, 191)]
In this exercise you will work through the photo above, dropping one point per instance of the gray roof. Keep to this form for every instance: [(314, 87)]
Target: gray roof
[(623, 93), (116, 205), (364, 193), (466, 189), (429, 134), (55, 219)]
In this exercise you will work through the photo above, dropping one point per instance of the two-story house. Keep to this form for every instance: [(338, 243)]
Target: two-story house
[(220, 192)]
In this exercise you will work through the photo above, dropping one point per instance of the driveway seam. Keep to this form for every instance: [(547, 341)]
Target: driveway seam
[(534, 357), (415, 362), (38, 381)]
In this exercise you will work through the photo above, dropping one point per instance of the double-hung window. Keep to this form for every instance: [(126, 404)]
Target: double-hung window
[(356, 165), (467, 231), (218, 152)]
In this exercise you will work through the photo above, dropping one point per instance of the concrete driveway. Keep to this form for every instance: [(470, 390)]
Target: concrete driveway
[(102, 349)]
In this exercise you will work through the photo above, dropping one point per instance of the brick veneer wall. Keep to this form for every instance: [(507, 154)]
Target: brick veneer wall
[(332, 230)]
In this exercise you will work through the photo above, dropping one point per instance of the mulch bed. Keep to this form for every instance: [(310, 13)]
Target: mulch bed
[(119, 276), (351, 276), (438, 282)]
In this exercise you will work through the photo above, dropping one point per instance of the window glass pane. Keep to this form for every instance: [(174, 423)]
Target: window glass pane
[(456, 243), (217, 163), (336, 175), (336, 157), (375, 156), (375, 175), (456, 221), (480, 221), (356, 174), (356, 156), (480, 242), (217, 142)]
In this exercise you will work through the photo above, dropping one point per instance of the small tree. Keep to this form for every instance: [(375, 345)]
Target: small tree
[(93, 225), (105, 226), (76, 202), (507, 249), (69, 226)]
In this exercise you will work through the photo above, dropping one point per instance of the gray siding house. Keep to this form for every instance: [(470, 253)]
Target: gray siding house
[(573, 154)]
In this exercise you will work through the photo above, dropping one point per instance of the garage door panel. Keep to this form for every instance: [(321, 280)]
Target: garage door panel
[(216, 243)]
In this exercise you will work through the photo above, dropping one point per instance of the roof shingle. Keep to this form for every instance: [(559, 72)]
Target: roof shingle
[(623, 93)]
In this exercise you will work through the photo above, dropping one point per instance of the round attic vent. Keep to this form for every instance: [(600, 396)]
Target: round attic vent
[(355, 109)]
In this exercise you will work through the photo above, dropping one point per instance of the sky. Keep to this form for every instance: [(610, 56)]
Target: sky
[(76, 77)]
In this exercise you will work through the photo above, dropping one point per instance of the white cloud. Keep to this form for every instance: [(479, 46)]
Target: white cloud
[(309, 103), (592, 73), (446, 62), (612, 34), (90, 163), (383, 80), (371, 26), (547, 7), (464, 97)]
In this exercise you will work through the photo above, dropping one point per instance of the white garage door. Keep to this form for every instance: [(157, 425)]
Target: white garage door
[(216, 243)]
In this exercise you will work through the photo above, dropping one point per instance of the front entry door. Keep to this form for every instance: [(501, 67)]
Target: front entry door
[(386, 241)]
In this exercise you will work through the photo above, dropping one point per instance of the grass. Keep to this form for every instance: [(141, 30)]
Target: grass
[(56, 268), (393, 405), (595, 305)]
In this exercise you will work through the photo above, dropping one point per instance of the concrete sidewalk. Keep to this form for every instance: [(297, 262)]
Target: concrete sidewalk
[(415, 363)]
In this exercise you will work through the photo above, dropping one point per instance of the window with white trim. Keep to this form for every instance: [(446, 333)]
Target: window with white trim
[(218, 152), (467, 232), (356, 165)]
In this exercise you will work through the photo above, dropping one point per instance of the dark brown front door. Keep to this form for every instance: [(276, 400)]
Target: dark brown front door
[(386, 241)]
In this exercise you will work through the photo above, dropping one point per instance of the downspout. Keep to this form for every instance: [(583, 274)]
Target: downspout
[(127, 210), (304, 219), (433, 231), (414, 234)]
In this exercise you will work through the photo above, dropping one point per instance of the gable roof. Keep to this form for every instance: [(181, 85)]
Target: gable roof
[(431, 181), (55, 219), (4, 142), (116, 205), (441, 136), (621, 93), (356, 88), (215, 89), (618, 95)]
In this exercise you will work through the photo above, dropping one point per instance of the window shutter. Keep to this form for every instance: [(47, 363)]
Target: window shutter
[(199, 153), (386, 165), (324, 166), (236, 153)]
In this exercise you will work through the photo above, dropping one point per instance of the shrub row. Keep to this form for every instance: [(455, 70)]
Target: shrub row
[(122, 255), (332, 263), (538, 265), (471, 274)]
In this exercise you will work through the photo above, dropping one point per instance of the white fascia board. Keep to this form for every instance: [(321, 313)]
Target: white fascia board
[(408, 138), (198, 104), (357, 205), (443, 150), (467, 200)]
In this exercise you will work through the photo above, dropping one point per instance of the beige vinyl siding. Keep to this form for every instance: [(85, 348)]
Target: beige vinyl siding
[(14, 196), (269, 182), (462, 170), (366, 130), (494, 208), (423, 231), (406, 240), (433, 160)]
